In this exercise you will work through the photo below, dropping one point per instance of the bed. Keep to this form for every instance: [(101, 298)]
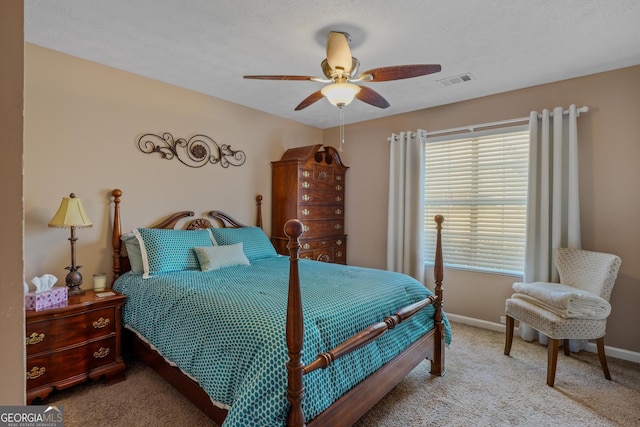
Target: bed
[(256, 338)]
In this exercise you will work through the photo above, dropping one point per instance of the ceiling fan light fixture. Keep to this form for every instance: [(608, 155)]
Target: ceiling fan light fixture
[(340, 94)]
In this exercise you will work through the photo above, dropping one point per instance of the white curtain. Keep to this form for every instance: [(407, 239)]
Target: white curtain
[(553, 209), (406, 204)]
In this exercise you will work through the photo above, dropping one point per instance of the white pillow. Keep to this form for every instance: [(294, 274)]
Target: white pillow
[(217, 257)]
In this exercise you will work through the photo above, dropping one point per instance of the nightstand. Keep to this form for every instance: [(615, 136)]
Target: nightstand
[(68, 345)]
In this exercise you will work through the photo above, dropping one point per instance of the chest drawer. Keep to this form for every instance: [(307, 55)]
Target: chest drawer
[(320, 197), (320, 212), (72, 329), (329, 227), (65, 364)]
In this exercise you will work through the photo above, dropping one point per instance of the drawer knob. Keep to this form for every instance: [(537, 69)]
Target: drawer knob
[(34, 338), (35, 372), (101, 323), (102, 352)]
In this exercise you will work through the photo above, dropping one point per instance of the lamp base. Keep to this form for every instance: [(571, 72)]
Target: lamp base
[(73, 281)]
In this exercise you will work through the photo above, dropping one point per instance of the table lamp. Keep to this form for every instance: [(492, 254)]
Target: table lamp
[(71, 214)]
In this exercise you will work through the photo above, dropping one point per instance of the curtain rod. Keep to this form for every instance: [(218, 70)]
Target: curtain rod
[(500, 123)]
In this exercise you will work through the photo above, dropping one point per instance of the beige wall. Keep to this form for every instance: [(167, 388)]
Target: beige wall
[(82, 121), (609, 150), (12, 364)]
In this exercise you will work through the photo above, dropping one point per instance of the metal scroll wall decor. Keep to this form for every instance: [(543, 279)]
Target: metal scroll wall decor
[(194, 152)]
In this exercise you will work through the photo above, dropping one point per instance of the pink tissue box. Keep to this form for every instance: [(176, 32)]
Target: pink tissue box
[(53, 298)]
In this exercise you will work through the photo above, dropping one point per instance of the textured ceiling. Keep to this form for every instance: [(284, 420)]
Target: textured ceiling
[(208, 45)]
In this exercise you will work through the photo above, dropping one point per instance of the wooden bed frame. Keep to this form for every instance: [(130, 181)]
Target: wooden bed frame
[(355, 403)]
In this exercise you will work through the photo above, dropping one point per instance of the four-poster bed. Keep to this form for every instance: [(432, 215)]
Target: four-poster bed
[(420, 327)]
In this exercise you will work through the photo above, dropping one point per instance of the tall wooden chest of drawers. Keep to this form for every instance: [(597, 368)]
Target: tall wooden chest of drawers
[(68, 345), (308, 183)]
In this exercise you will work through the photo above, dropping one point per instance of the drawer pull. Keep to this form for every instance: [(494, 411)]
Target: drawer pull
[(338, 187), (337, 226), (305, 212), (339, 254), (34, 338), (101, 323), (338, 198), (305, 184), (306, 197), (306, 174), (35, 372), (338, 177), (338, 211), (102, 352), (305, 227), (338, 242), (306, 246)]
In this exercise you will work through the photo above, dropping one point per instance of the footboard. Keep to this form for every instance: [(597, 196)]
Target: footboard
[(431, 344)]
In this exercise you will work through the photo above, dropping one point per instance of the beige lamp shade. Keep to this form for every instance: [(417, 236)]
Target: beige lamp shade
[(70, 214)]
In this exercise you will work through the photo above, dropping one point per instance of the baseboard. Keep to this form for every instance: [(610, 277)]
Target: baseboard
[(618, 353)]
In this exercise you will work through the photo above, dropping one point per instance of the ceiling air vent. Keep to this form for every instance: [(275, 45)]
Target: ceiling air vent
[(456, 79)]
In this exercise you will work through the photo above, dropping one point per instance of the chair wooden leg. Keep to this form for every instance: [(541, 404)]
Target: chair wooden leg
[(566, 347), (603, 357), (508, 337), (552, 360)]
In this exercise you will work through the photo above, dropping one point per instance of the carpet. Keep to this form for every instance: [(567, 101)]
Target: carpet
[(482, 387)]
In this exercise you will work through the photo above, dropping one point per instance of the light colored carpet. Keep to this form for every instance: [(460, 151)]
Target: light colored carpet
[(482, 387)]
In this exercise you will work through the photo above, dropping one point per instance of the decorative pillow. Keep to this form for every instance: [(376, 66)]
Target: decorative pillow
[(133, 252), (256, 244), (217, 257), (165, 250)]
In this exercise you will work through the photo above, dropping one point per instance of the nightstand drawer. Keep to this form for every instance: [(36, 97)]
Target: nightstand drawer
[(59, 365), (68, 330)]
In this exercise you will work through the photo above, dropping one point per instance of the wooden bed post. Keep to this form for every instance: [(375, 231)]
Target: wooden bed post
[(437, 364), (116, 233), (295, 328), (259, 210)]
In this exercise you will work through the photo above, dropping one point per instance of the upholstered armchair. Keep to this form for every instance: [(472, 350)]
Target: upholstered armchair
[(576, 308)]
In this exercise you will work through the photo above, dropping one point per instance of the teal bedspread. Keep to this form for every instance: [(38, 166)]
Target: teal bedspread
[(226, 329)]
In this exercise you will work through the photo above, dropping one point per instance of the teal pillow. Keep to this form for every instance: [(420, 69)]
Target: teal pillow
[(165, 250), (255, 243), (217, 257)]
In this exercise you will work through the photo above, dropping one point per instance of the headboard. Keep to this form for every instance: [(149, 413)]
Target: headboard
[(121, 262)]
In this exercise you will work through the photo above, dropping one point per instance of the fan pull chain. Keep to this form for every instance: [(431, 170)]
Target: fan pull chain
[(341, 128)]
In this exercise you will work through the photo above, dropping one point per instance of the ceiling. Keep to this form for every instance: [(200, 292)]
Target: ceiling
[(208, 45)]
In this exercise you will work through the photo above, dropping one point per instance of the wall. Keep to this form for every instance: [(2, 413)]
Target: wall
[(12, 362), (82, 121), (609, 149)]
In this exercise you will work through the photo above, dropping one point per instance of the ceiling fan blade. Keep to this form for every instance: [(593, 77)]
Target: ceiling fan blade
[(338, 51), (314, 97), (398, 72), (267, 77), (371, 97)]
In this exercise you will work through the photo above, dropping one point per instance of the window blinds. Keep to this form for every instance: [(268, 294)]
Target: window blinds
[(479, 184)]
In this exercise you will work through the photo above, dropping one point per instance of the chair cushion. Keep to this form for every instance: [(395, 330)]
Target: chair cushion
[(553, 325)]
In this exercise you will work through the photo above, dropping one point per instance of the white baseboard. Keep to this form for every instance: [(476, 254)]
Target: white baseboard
[(618, 353)]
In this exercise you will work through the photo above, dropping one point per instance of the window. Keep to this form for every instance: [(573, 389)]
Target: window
[(479, 184)]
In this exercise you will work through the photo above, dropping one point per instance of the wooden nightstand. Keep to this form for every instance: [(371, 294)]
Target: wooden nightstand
[(68, 345)]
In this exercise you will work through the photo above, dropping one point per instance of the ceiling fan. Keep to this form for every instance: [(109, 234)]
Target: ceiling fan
[(341, 71)]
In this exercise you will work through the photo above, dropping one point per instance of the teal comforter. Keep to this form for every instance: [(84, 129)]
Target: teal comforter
[(226, 329)]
